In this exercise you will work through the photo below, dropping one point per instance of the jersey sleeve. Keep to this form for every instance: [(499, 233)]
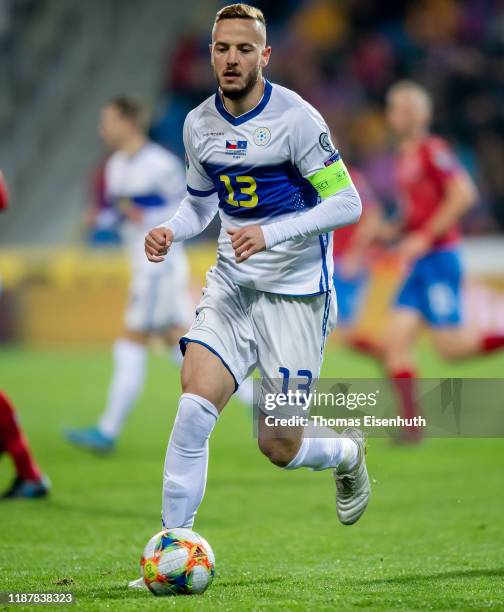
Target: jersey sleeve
[(172, 180), (314, 155), (198, 182), (442, 161)]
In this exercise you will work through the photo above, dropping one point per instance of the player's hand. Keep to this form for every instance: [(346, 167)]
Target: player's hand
[(157, 244), (414, 246), (246, 241)]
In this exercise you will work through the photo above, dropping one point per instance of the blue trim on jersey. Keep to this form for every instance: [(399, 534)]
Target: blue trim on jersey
[(327, 308), (199, 193), (149, 200), (184, 341), (297, 295), (324, 275), (219, 105), (279, 189)]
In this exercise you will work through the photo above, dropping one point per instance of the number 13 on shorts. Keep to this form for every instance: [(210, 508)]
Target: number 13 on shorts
[(302, 386)]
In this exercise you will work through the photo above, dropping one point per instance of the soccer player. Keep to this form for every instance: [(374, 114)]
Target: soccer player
[(263, 157), (145, 183), (29, 483), (435, 191), (351, 256)]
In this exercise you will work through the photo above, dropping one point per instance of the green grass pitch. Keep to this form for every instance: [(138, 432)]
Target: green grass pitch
[(432, 537)]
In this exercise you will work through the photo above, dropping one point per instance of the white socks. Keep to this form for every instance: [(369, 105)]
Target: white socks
[(324, 453), (127, 383), (186, 463)]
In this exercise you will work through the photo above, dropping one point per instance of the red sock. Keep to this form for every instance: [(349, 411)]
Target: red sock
[(404, 382), (492, 343), (13, 442), (362, 345)]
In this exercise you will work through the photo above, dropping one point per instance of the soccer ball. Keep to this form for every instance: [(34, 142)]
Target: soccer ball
[(177, 562)]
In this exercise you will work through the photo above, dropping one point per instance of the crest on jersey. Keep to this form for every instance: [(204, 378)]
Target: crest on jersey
[(262, 136), (325, 142)]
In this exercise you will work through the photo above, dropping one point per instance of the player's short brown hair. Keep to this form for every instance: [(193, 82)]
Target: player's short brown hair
[(130, 109), (409, 85), (240, 11)]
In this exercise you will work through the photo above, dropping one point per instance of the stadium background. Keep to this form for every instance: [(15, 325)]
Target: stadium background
[(64, 287), (65, 281)]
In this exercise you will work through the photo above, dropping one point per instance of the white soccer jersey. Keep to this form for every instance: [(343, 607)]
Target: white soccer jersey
[(152, 179), (258, 163)]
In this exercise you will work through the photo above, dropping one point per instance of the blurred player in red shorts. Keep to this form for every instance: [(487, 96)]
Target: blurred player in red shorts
[(434, 192), (29, 482), (351, 255)]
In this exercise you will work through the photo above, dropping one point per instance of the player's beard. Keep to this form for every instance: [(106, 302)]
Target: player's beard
[(238, 94)]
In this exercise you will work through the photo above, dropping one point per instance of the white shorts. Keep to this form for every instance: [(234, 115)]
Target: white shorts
[(158, 302), (280, 335)]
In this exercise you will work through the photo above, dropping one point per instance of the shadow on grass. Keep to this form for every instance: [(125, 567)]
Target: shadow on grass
[(104, 511), (409, 578), (122, 591)]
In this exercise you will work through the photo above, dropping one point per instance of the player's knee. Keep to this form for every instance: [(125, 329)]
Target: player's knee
[(279, 451)]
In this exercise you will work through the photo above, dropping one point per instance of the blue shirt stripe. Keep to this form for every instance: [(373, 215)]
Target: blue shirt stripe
[(149, 200), (199, 193), (279, 189)]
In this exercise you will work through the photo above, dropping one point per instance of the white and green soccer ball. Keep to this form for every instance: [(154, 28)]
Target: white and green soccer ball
[(177, 562)]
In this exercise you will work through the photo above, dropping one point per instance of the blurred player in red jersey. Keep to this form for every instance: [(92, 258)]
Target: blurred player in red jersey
[(434, 192), (351, 262), (29, 482)]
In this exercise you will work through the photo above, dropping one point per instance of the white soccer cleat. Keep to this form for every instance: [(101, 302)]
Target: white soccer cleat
[(353, 488), (138, 584)]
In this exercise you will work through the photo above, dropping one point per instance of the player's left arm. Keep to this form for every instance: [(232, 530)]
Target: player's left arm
[(320, 164)]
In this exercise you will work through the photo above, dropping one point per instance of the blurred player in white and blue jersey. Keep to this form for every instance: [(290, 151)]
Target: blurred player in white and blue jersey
[(144, 184), (261, 156)]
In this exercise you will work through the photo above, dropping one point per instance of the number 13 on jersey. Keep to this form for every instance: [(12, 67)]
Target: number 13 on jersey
[(245, 185)]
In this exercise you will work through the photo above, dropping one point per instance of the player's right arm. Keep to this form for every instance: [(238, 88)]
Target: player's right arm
[(192, 217), (196, 210)]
